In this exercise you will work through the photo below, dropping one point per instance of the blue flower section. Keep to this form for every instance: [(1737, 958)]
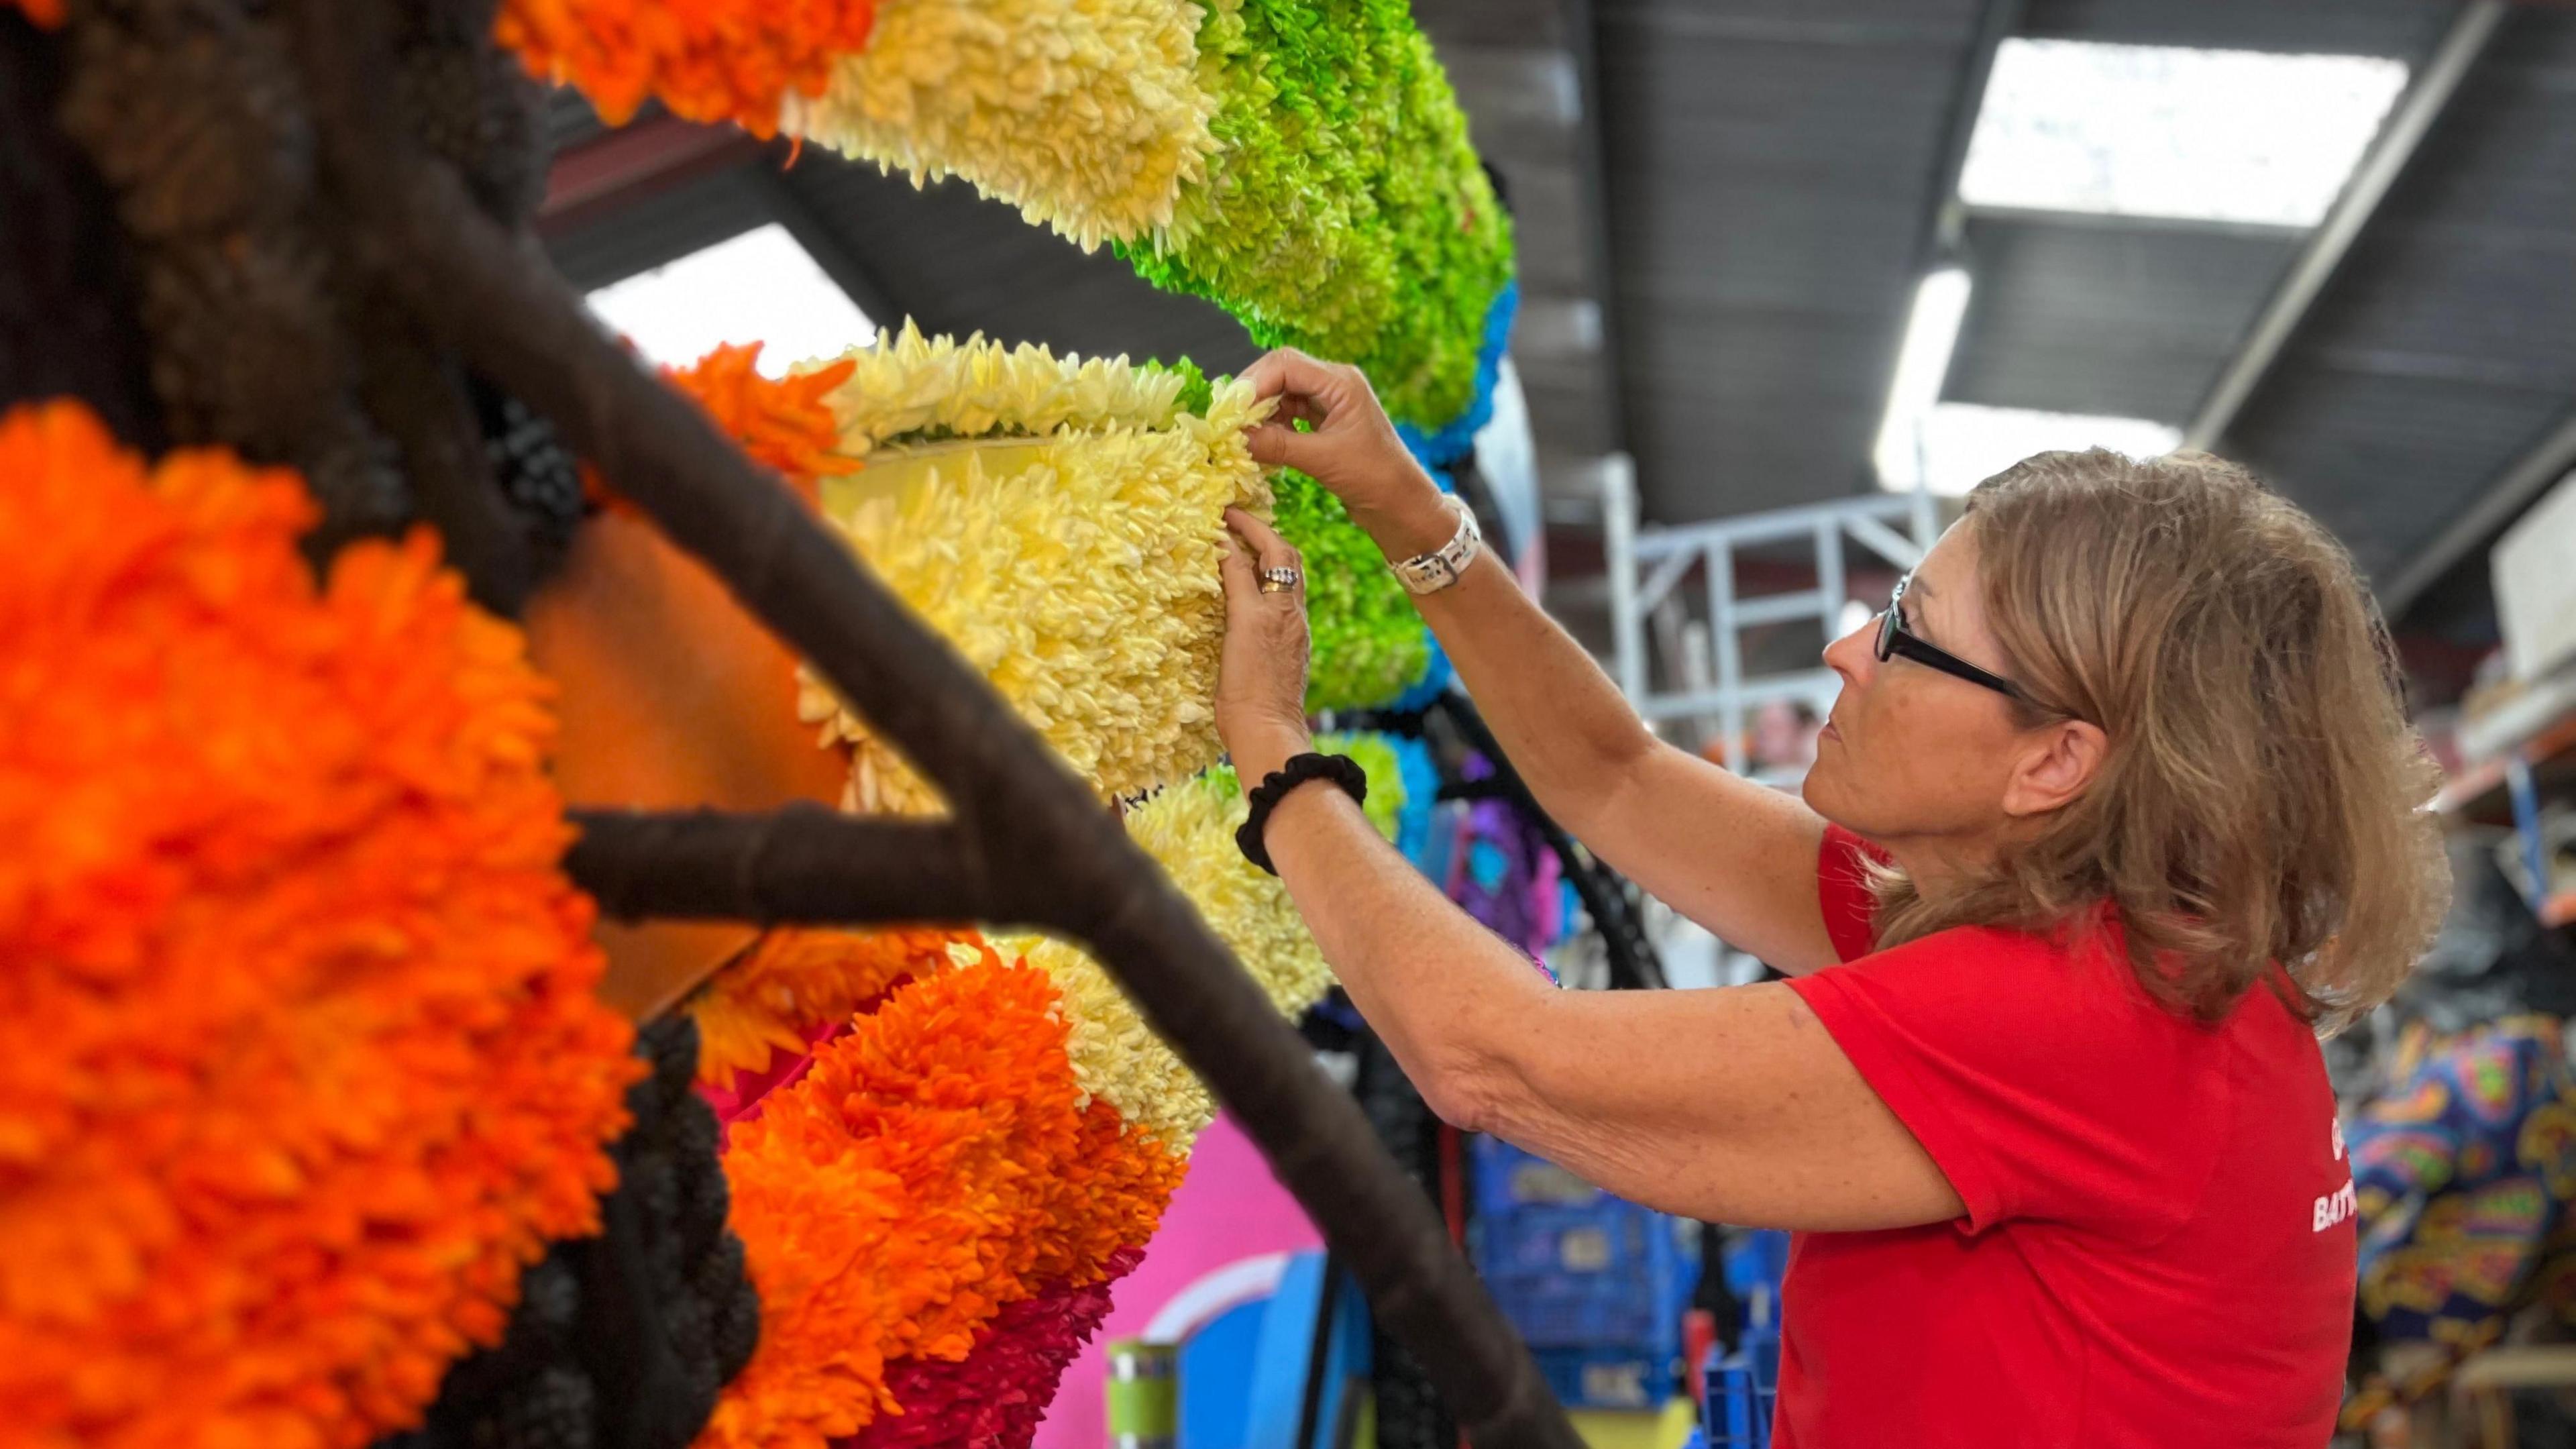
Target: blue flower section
[(1443, 447), (1569, 912), (1435, 681), (1421, 776)]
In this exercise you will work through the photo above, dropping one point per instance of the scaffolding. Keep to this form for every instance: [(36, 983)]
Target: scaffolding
[(1647, 565)]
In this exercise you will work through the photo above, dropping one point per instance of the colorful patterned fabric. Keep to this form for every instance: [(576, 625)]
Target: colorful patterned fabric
[(2464, 1169)]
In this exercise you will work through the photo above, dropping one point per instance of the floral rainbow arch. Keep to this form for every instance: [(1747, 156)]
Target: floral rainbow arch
[(305, 1075)]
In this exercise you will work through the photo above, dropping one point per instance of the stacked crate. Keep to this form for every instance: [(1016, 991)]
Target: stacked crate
[(1743, 1386), (1597, 1285)]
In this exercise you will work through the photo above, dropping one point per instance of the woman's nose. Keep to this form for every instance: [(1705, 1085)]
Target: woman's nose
[(1850, 656)]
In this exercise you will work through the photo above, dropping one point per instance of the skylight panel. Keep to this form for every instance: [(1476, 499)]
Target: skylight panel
[(758, 287), (2168, 131)]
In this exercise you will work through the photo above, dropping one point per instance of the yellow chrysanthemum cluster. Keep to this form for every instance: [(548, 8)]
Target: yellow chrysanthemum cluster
[(1061, 522), (959, 88), (1302, 163), (910, 388), (1189, 829), (1116, 1057)]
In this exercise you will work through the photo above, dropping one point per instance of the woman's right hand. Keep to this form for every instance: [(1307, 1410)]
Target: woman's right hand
[(1353, 450)]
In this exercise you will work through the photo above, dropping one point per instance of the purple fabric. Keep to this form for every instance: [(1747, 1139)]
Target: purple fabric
[(1502, 872)]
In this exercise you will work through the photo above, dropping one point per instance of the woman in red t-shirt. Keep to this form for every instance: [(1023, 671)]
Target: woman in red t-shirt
[(2118, 810)]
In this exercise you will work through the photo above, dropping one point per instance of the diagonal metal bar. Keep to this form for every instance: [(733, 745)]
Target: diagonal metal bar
[(2332, 241), (1945, 221), (1884, 541), (2549, 459), (1661, 581), (838, 259)]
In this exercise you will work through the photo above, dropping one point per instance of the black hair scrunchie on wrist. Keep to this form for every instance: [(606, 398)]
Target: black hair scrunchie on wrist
[(1342, 770)]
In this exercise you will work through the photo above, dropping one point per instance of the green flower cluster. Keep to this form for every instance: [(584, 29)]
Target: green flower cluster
[(1345, 213), (1369, 644), (1377, 760)]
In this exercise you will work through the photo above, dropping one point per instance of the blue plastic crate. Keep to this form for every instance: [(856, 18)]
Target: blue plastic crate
[(1609, 1378), (1756, 1265), (1581, 1319), (1616, 1274), (1575, 1268), (1742, 1390), (1508, 1179), (1607, 1239)]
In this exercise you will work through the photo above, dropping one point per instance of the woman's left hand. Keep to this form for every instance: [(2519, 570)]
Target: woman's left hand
[(1261, 681)]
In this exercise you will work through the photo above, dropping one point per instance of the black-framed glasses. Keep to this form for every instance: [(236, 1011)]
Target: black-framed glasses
[(1894, 638)]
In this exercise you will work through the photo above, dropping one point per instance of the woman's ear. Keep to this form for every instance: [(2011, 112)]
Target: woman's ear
[(2058, 763)]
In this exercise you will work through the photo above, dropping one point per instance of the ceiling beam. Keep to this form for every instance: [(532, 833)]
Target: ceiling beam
[(615, 167), (1940, 240), (2333, 239), (2551, 458), (1945, 223)]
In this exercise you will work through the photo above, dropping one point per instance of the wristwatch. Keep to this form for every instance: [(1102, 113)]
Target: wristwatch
[(1429, 573)]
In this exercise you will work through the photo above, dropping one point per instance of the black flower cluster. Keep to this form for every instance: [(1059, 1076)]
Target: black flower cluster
[(621, 1341), (191, 112), (260, 335), (472, 105), (536, 472)]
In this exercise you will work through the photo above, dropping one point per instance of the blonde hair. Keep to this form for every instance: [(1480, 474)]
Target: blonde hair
[(2263, 798)]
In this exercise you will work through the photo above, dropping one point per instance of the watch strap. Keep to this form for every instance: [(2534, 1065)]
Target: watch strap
[(1429, 573)]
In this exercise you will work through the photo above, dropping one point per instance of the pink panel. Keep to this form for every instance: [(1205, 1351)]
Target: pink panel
[(1228, 1208)]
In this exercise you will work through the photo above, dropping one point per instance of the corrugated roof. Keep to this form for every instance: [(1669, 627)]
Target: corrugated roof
[(1769, 184)]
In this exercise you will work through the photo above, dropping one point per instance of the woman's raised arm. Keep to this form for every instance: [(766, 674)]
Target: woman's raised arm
[(1736, 857)]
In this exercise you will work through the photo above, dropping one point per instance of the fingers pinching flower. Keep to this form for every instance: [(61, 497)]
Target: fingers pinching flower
[(1261, 678)]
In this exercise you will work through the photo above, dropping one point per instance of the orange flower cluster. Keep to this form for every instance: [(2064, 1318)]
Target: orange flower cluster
[(783, 423), (936, 1164), (300, 1060), (707, 60), (791, 981)]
